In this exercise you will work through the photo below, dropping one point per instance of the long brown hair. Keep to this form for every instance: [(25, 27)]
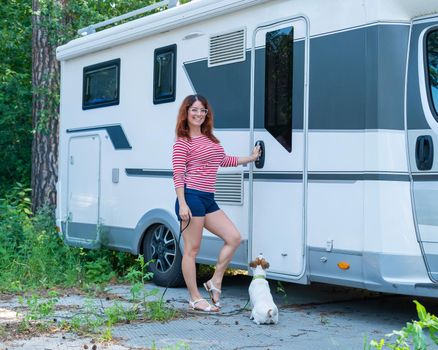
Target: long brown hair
[(182, 126)]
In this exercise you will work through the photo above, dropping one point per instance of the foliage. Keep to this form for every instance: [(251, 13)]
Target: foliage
[(89, 320), (62, 20), (413, 333), (15, 92), (138, 276), (33, 255), (281, 290), (38, 310), (432, 49), (99, 271)]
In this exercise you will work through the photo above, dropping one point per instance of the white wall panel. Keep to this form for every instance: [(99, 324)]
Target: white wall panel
[(335, 213), (363, 151)]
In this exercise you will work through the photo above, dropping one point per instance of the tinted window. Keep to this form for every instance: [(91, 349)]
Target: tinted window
[(164, 74), (101, 85), (432, 64), (278, 85)]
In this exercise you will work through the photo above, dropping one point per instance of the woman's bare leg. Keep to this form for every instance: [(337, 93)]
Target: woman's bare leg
[(192, 242), (219, 224)]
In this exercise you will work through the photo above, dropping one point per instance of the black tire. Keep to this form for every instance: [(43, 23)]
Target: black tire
[(160, 246)]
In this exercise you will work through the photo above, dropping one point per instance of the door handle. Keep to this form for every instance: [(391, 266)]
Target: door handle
[(260, 162), (424, 152)]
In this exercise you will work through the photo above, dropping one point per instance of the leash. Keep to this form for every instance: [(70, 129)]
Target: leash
[(231, 312), (181, 230)]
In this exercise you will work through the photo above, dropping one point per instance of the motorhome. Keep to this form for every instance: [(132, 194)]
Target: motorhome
[(343, 97)]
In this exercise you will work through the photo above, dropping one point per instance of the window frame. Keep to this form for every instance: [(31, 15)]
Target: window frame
[(432, 106), (107, 64), (169, 97)]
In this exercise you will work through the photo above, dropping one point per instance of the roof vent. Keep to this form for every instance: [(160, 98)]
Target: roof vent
[(229, 188), (227, 48)]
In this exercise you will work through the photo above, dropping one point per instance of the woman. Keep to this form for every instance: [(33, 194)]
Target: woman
[(197, 155)]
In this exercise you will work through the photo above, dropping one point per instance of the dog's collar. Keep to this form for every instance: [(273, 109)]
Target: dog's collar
[(258, 277)]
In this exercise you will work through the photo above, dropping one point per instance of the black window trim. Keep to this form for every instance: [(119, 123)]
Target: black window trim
[(433, 108), (159, 51), (291, 91), (96, 66)]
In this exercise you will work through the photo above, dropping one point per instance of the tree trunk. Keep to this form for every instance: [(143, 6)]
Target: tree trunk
[(45, 112)]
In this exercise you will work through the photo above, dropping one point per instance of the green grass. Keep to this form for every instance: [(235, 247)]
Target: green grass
[(33, 255)]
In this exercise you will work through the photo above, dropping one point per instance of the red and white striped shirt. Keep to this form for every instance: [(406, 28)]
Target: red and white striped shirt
[(196, 162)]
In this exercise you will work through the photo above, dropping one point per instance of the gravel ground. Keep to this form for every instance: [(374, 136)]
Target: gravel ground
[(311, 317)]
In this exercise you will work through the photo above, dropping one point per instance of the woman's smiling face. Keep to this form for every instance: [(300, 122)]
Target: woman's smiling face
[(196, 114)]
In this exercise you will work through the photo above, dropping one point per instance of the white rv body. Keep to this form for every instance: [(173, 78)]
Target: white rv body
[(346, 205)]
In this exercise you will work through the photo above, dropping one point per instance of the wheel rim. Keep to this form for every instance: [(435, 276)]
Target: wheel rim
[(163, 248)]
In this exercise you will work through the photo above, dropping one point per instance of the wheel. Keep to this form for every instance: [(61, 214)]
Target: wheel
[(160, 246)]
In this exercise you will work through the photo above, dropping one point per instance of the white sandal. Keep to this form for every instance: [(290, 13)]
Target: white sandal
[(208, 309), (210, 291)]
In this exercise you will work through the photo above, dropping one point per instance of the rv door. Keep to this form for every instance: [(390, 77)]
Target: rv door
[(279, 74), (83, 186), (422, 131)]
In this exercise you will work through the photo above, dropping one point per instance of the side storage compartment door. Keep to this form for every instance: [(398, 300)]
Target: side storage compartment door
[(422, 129), (83, 189)]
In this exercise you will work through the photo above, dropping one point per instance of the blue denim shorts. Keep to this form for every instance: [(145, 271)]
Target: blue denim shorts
[(199, 202)]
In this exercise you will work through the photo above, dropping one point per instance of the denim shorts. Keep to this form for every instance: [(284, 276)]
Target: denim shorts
[(199, 202)]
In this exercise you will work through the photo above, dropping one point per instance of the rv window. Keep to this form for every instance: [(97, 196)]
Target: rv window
[(278, 85), (101, 85), (432, 65), (164, 74)]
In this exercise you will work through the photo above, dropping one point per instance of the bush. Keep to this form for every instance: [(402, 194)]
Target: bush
[(416, 333), (33, 255)]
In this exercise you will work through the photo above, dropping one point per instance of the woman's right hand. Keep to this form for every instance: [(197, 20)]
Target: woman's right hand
[(184, 212)]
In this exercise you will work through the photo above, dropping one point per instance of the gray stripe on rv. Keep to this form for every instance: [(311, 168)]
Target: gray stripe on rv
[(370, 59), (79, 232), (125, 239), (290, 175), (359, 177), (150, 173)]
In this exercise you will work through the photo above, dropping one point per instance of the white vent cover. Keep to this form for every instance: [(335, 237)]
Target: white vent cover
[(229, 188), (227, 48)]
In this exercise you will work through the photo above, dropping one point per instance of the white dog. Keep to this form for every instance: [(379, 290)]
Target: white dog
[(264, 310)]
